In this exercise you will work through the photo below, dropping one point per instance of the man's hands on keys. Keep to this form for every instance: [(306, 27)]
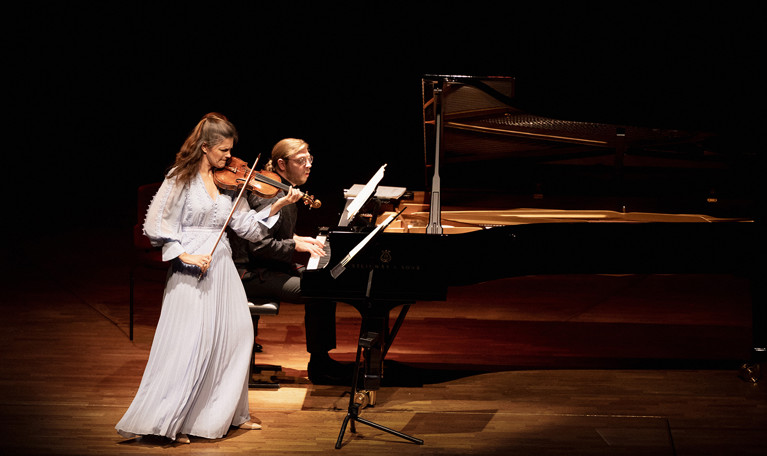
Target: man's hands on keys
[(310, 245)]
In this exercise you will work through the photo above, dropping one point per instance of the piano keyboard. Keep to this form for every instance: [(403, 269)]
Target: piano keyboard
[(319, 262)]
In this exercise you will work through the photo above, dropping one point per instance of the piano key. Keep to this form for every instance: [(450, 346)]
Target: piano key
[(319, 262)]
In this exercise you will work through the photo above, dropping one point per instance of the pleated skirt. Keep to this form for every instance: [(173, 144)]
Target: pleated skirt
[(196, 378)]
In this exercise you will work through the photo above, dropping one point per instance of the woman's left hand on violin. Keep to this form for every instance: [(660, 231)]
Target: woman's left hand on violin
[(293, 195)]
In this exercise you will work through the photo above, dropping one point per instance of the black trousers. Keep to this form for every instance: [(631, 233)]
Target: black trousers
[(319, 315)]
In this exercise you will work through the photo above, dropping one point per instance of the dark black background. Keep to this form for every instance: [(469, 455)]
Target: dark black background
[(103, 94)]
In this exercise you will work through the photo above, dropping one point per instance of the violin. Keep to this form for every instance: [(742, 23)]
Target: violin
[(264, 183)]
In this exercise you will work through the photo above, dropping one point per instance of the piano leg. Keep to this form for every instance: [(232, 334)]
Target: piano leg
[(371, 343), (374, 341), (752, 370)]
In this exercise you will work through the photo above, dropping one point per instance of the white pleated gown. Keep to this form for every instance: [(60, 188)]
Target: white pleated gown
[(196, 378)]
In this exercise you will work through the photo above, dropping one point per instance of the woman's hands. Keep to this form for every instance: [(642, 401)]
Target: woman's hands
[(201, 261), (292, 196)]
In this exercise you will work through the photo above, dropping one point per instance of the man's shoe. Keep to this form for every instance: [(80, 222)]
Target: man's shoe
[(324, 370)]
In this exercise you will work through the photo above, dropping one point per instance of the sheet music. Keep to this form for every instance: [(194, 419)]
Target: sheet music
[(341, 266), (352, 208), (382, 191)]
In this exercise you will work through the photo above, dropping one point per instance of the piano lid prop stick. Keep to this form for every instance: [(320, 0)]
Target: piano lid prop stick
[(341, 266), (435, 210)]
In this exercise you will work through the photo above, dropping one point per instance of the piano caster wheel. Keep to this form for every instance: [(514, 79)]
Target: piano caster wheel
[(365, 398), (751, 372)]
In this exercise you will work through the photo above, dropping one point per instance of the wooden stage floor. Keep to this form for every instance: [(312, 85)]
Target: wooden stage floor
[(576, 364)]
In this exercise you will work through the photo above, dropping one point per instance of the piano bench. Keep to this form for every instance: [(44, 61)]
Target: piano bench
[(262, 375)]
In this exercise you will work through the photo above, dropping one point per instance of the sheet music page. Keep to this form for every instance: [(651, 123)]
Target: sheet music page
[(383, 191), (353, 191), (362, 197)]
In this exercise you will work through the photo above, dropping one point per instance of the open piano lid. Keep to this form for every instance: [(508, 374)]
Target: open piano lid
[(497, 155)]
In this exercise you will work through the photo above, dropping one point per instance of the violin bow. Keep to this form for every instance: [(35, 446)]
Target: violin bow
[(234, 206)]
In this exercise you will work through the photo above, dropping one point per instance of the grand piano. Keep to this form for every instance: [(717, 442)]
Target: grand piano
[(547, 196)]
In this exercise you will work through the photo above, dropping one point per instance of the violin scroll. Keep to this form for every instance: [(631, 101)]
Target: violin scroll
[(311, 201)]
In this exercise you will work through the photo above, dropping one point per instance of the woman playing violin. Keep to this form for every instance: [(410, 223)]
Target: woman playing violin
[(196, 378)]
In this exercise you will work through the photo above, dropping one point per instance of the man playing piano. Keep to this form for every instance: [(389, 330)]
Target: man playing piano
[(270, 271)]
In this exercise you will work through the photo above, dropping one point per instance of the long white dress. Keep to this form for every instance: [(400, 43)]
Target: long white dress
[(196, 378)]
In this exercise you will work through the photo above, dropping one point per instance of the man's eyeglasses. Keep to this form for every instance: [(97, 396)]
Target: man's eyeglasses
[(301, 161)]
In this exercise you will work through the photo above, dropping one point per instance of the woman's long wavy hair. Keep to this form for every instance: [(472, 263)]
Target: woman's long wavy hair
[(209, 131)]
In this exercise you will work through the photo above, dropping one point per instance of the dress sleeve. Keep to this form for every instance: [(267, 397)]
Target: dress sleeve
[(163, 219), (250, 224)]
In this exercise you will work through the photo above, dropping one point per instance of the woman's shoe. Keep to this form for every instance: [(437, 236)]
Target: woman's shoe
[(183, 438), (249, 425)]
